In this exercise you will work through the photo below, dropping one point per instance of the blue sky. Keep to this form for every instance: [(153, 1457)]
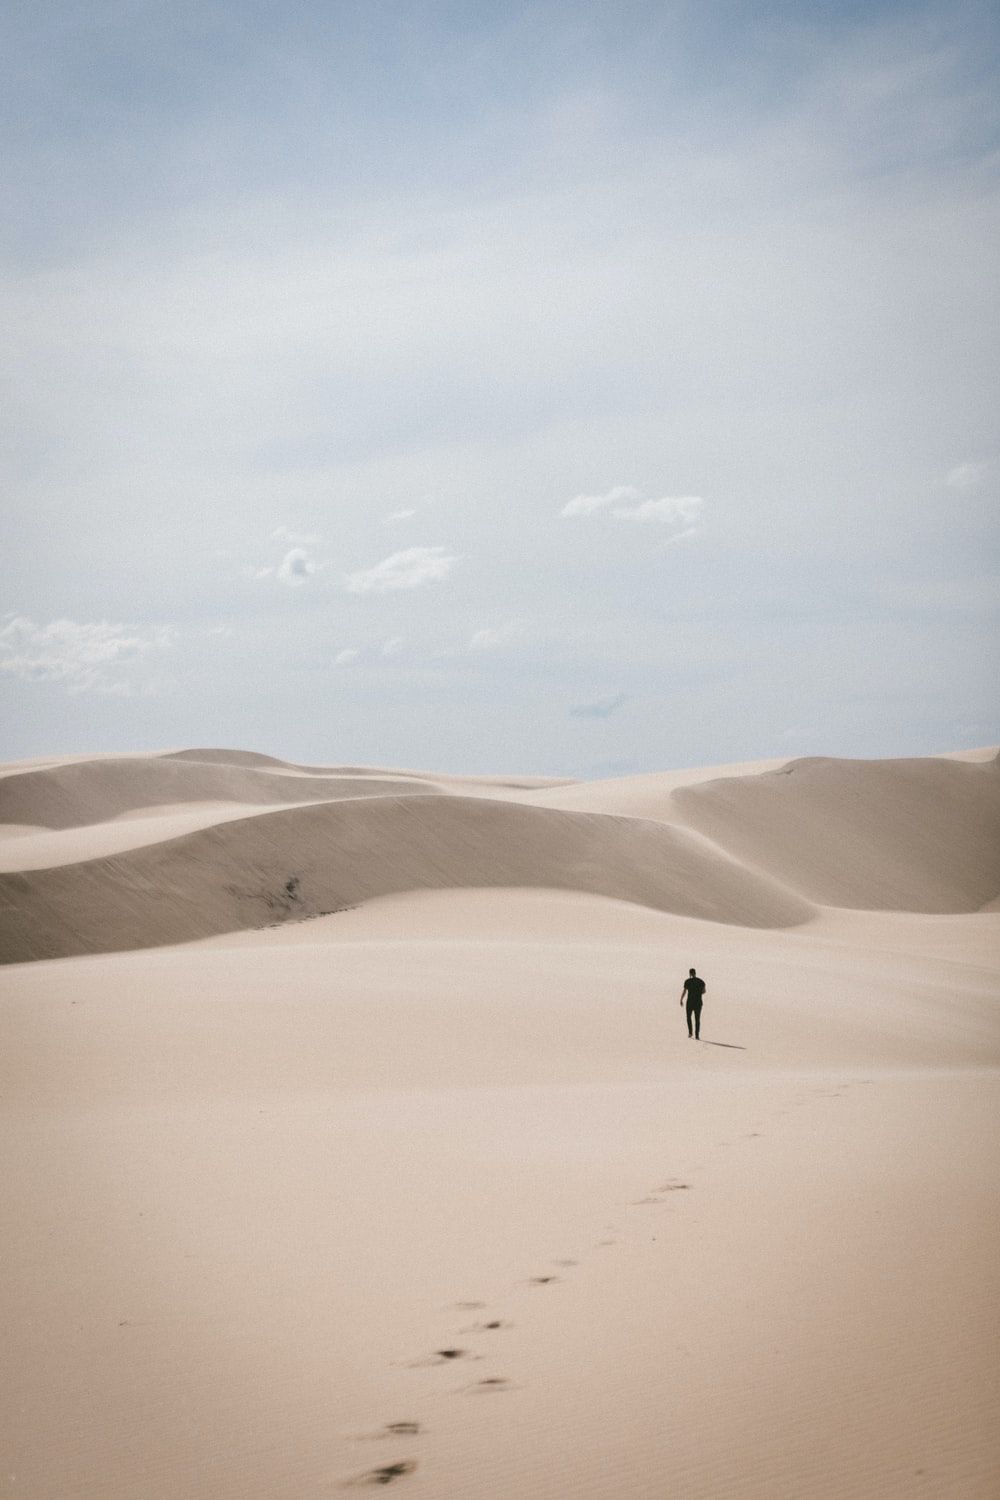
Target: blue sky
[(567, 388)]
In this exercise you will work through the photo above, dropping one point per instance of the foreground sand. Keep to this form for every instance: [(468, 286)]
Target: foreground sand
[(258, 1183)]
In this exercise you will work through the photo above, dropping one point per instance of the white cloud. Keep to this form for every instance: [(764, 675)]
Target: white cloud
[(397, 515), (392, 645), (966, 476), (671, 510), (346, 657), (625, 503), (295, 567), (489, 639), (403, 570), (93, 656), (585, 505)]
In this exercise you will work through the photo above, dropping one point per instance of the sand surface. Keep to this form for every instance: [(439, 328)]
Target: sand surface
[(433, 1192)]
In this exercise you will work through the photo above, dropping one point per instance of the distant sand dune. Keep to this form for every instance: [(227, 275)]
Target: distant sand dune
[(268, 762), (279, 866), (80, 792), (134, 852), (891, 835), (67, 796), (649, 795)]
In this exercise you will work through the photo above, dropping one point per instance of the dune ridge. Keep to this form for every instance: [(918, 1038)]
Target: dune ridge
[(72, 795), (301, 862), (763, 848), (269, 762), (891, 835), (79, 792)]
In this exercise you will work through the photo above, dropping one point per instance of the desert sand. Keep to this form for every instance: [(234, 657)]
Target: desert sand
[(354, 1139)]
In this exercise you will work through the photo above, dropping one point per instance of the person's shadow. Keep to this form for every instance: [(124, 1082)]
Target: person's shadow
[(733, 1046)]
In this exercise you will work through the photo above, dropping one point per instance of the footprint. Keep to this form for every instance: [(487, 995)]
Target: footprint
[(489, 1327), (541, 1280), (673, 1186), (468, 1306), (441, 1357), (565, 1263), (391, 1430), (384, 1475), (490, 1386)]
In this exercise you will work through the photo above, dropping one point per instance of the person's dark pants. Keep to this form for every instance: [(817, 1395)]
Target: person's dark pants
[(694, 1014)]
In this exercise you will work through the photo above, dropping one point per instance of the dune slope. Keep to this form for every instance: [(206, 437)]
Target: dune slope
[(300, 862), (66, 796), (891, 835)]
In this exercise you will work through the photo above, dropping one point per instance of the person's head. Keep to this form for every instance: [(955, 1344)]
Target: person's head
[(692, 973)]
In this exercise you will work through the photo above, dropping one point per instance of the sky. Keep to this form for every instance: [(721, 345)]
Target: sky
[(572, 387)]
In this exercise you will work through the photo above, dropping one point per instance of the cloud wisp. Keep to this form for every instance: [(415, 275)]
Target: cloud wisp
[(85, 656), (625, 503), (586, 505), (968, 476), (492, 638), (409, 569)]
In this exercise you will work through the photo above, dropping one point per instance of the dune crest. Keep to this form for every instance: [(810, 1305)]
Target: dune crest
[(889, 835), (762, 848), (303, 861), (444, 781), (69, 796)]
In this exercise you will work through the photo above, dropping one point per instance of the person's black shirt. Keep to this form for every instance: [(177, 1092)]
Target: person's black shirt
[(695, 987)]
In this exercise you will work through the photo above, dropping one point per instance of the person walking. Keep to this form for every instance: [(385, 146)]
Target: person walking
[(693, 993)]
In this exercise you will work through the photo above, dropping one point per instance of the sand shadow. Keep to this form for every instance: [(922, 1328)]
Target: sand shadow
[(733, 1046)]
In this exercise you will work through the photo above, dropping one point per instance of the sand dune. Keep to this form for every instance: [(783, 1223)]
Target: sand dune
[(895, 835), (268, 762), (757, 847), (296, 863), (914, 835), (644, 796), (66, 796), (435, 1192), (33, 848)]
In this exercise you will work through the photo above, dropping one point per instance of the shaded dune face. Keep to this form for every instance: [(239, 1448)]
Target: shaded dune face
[(300, 862), (893, 835)]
